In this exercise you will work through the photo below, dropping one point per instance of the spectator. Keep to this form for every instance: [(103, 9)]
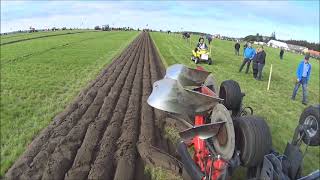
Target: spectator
[(237, 48), (281, 53), (245, 46), (248, 54), (209, 37), (303, 76), (261, 60), (255, 64)]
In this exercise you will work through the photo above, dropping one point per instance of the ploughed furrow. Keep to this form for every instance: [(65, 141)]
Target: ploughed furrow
[(160, 142), (98, 82), (62, 157), (103, 166), (127, 153), (109, 131), (158, 72), (114, 103), (146, 119)]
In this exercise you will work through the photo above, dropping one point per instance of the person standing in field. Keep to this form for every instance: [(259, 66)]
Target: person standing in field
[(245, 46), (261, 60), (237, 48), (255, 64), (281, 53), (248, 54), (303, 76), (209, 37)]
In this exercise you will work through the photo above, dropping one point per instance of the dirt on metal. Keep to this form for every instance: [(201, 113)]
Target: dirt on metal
[(109, 131)]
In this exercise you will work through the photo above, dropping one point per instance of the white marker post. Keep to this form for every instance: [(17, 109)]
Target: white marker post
[(269, 78)]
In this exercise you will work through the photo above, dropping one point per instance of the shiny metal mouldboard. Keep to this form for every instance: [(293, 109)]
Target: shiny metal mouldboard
[(186, 76), (169, 95), (203, 131)]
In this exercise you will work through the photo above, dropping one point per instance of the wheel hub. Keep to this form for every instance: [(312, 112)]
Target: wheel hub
[(311, 123)]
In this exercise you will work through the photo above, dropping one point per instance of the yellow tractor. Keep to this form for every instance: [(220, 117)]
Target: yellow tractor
[(201, 55)]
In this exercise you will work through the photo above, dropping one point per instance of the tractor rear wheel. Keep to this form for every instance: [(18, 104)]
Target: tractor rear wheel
[(311, 117), (209, 61), (231, 93), (253, 139), (224, 142), (196, 60)]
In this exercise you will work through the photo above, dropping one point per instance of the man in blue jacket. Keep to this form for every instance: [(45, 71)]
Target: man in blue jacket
[(248, 54), (303, 76)]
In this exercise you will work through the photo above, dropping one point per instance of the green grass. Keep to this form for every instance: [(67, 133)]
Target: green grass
[(20, 36), (281, 113), (17, 51), (36, 87), (158, 173)]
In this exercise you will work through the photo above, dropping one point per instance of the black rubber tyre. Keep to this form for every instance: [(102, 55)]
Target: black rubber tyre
[(231, 93), (196, 60), (311, 116), (253, 139), (209, 61)]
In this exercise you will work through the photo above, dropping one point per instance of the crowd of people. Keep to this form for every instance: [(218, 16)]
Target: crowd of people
[(258, 59)]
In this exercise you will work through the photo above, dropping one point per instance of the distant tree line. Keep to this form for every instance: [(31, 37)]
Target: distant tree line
[(260, 38), (313, 46), (251, 38), (108, 28)]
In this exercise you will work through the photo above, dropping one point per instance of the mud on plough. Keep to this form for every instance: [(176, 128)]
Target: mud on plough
[(223, 133)]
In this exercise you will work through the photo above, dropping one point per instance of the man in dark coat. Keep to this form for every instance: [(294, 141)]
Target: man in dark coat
[(255, 64), (261, 60), (209, 37), (281, 53), (237, 48)]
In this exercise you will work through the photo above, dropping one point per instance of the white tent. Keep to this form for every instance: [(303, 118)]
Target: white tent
[(278, 44), (259, 43)]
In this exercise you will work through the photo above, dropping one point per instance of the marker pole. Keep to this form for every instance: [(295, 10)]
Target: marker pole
[(269, 78)]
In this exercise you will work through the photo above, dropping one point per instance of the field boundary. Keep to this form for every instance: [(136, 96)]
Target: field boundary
[(39, 37), (47, 50), (161, 57)]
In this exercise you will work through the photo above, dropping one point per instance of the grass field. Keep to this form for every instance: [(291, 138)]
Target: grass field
[(281, 113), (21, 36), (40, 77)]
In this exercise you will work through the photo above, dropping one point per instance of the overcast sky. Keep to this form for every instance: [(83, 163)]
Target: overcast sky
[(289, 19)]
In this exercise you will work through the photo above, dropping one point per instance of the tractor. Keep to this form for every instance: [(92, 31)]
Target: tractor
[(201, 55), (222, 132)]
